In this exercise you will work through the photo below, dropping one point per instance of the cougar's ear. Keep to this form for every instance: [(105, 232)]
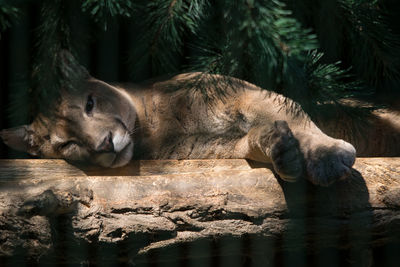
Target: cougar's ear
[(70, 68), (20, 138)]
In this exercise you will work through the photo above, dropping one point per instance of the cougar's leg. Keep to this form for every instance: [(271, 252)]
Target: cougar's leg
[(274, 144)]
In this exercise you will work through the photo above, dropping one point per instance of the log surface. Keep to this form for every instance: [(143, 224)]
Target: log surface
[(157, 207)]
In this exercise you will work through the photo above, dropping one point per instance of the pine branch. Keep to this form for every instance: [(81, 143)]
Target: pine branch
[(164, 25), (328, 81), (265, 46), (53, 35), (8, 13), (254, 40), (367, 28), (321, 88), (103, 10)]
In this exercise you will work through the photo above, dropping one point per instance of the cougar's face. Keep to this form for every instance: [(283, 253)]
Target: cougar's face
[(92, 124)]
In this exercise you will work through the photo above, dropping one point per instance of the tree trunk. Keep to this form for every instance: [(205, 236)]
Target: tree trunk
[(51, 211)]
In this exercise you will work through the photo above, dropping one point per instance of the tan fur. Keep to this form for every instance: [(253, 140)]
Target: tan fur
[(374, 134), (170, 118)]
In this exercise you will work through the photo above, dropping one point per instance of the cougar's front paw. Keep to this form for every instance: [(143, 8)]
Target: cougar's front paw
[(285, 152), (329, 161)]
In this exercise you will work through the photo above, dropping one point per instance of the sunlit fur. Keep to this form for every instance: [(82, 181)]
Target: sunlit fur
[(170, 118)]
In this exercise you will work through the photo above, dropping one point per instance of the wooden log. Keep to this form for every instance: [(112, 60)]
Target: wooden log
[(51, 211)]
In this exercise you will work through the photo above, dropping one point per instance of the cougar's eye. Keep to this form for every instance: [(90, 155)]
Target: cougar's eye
[(89, 104)]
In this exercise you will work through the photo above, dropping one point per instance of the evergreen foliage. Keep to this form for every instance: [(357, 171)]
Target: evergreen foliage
[(7, 14), (252, 40), (378, 55), (164, 26), (53, 35), (104, 10), (311, 51), (360, 33)]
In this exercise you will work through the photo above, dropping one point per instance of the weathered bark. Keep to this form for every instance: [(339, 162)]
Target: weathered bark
[(53, 211)]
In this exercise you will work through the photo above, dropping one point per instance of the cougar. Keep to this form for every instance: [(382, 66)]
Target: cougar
[(170, 118)]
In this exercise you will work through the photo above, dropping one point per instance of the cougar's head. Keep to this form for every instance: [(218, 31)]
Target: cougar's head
[(92, 123)]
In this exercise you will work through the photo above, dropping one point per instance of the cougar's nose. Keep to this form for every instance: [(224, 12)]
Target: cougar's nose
[(107, 144)]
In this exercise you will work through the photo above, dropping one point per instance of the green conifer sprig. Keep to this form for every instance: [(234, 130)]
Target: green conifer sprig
[(376, 57), (253, 41), (7, 14), (164, 25), (310, 82), (103, 10), (53, 35), (358, 33), (328, 81), (322, 89)]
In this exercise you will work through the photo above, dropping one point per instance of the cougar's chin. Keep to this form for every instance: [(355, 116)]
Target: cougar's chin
[(104, 159), (123, 157), (115, 159)]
